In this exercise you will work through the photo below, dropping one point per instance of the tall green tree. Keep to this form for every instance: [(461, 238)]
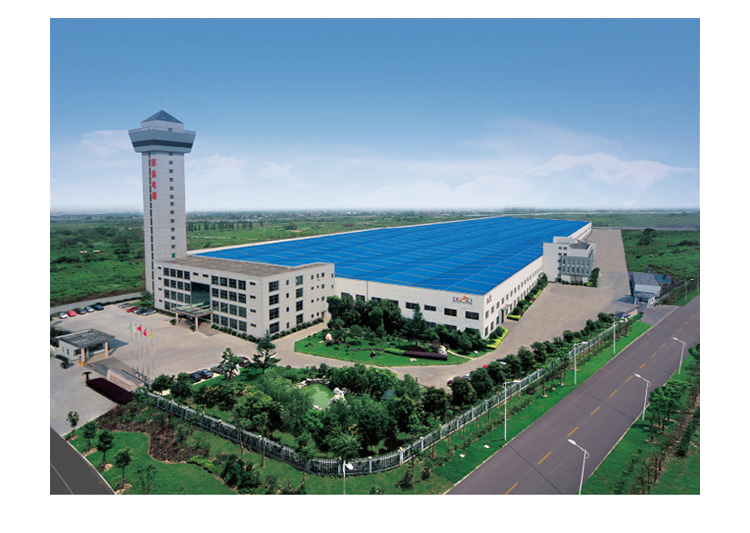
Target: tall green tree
[(230, 363), (264, 358), (123, 458), (88, 431), (105, 443), (73, 421)]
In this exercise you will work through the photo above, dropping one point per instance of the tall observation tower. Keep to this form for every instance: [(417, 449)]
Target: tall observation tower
[(162, 142)]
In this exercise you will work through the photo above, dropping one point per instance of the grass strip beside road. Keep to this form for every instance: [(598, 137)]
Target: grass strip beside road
[(486, 446)]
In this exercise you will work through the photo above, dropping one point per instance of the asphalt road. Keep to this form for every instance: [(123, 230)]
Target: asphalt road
[(71, 473), (595, 415)]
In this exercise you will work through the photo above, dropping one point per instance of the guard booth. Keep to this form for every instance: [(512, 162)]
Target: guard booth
[(82, 345)]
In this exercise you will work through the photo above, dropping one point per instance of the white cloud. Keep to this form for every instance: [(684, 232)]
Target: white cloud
[(608, 169)]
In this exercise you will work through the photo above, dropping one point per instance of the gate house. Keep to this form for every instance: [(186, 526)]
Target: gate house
[(82, 345)]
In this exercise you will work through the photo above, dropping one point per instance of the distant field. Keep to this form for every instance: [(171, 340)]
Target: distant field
[(118, 266), (669, 252)]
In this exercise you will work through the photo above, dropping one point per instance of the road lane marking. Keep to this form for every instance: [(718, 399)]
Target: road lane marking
[(629, 378), (686, 323), (653, 354), (642, 365), (663, 345), (513, 487), (569, 434), (613, 393), (679, 330), (540, 462), (595, 410)]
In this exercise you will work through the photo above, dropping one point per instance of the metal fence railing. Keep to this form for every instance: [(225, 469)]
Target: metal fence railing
[(390, 460)]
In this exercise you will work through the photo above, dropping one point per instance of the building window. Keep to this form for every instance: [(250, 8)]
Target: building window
[(273, 286), (273, 299), (299, 305), (299, 293), (471, 315), (430, 308), (450, 312), (273, 313), (273, 328), (411, 305)]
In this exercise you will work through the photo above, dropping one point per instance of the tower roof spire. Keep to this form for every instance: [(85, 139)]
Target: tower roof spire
[(162, 115)]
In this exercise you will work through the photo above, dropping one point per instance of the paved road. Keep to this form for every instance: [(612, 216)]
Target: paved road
[(595, 415), (71, 473)]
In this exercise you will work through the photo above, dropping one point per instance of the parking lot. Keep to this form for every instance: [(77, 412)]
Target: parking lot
[(169, 349)]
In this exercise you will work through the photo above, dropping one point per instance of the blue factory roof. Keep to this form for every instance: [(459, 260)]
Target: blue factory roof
[(472, 256)]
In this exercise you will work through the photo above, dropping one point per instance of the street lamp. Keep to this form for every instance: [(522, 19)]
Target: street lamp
[(583, 468), (648, 384), (686, 287), (505, 424), (346, 466), (682, 353), (575, 362)]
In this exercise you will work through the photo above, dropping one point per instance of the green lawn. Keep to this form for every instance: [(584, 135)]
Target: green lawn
[(669, 252), (618, 472), (315, 345), (170, 478)]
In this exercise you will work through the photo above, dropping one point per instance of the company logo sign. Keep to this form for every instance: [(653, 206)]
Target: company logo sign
[(463, 300)]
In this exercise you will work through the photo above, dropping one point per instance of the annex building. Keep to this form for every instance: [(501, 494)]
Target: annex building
[(463, 274)]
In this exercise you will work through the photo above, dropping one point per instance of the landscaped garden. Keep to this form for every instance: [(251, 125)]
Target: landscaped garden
[(378, 411), (376, 333)]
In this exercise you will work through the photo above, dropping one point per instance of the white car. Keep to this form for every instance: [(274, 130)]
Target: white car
[(90, 309), (62, 315)]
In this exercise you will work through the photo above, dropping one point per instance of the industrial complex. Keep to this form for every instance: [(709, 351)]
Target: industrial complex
[(464, 274)]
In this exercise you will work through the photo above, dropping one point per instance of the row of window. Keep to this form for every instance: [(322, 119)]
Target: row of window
[(274, 285)]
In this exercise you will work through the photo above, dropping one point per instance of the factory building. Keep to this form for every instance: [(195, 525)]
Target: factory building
[(463, 274)]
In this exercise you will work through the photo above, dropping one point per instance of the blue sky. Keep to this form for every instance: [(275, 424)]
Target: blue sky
[(382, 113)]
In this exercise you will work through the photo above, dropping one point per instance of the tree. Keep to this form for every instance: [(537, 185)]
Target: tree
[(123, 458), (264, 358), (304, 451), (230, 363), (88, 431), (482, 382), (256, 413), (182, 387), (416, 328), (105, 443), (462, 392), (73, 421), (162, 382), (145, 479), (435, 403)]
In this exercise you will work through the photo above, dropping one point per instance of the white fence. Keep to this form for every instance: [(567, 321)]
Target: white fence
[(386, 461)]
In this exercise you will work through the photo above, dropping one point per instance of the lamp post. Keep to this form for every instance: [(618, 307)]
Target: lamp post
[(686, 287), (583, 468), (505, 424), (346, 466), (682, 353), (648, 384), (575, 362)]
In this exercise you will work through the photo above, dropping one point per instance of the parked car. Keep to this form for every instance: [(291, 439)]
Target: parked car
[(197, 375), (90, 309), (98, 307), (206, 373), (217, 369), (62, 315), (80, 311), (139, 310), (147, 312), (131, 309), (126, 305), (71, 313)]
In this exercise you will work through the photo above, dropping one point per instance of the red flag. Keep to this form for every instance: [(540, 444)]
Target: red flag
[(138, 328), (144, 332)]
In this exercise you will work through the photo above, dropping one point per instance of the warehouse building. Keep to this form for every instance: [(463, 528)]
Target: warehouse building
[(463, 274)]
